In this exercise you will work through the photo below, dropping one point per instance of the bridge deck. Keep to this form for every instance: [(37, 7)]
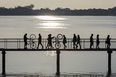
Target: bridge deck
[(103, 49), (17, 44)]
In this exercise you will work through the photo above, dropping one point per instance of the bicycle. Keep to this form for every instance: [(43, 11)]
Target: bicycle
[(32, 42), (59, 37)]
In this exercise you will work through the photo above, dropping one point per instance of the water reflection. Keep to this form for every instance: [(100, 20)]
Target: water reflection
[(51, 53), (51, 22), (49, 18)]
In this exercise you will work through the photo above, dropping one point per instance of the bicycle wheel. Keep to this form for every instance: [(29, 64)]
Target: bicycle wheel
[(33, 45), (57, 45), (59, 36), (33, 36)]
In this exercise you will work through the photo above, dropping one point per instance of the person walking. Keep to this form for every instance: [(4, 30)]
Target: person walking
[(91, 41), (39, 41), (25, 41), (64, 41), (78, 41), (108, 41), (74, 41), (49, 41), (97, 42)]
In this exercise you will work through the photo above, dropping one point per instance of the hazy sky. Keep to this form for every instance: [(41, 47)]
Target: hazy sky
[(52, 4)]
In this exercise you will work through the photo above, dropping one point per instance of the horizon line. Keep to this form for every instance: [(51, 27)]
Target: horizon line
[(55, 8)]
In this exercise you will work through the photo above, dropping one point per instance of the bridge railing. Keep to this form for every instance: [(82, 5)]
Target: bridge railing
[(18, 43)]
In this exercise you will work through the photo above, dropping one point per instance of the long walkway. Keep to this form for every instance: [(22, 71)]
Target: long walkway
[(17, 44)]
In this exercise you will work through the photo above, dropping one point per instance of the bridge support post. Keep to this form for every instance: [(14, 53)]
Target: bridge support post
[(58, 62), (3, 62), (109, 62)]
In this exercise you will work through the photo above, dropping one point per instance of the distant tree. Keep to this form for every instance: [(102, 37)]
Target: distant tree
[(31, 6), (114, 8), (2, 8), (47, 9), (58, 9), (112, 11), (66, 9)]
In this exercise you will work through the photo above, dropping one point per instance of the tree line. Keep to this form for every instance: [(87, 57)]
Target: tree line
[(28, 10)]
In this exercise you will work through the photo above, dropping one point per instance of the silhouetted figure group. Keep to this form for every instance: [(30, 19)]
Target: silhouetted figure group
[(76, 41), (98, 42), (92, 41)]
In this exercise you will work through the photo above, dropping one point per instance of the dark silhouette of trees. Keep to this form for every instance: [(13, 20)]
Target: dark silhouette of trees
[(28, 10), (112, 11)]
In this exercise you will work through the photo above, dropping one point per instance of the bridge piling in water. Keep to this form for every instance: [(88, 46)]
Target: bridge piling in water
[(58, 62), (109, 51), (3, 62), (109, 61)]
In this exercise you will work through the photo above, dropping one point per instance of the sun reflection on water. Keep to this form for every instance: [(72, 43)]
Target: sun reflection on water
[(51, 22), (49, 18), (51, 53)]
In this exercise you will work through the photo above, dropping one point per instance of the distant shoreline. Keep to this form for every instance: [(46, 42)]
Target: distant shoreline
[(28, 10), (57, 15)]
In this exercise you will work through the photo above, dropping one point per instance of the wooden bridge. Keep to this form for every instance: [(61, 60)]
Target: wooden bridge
[(17, 44)]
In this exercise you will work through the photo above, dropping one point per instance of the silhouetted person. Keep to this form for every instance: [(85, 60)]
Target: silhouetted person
[(91, 41), (39, 41), (108, 41), (49, 41), (64, 41), (97, 41), (74, 41), (25, 41), (78, 41)]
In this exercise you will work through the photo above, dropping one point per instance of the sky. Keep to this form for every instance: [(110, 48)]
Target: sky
[(52, 4)]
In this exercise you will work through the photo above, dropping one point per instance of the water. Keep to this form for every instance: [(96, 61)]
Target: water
[(45, 62)]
